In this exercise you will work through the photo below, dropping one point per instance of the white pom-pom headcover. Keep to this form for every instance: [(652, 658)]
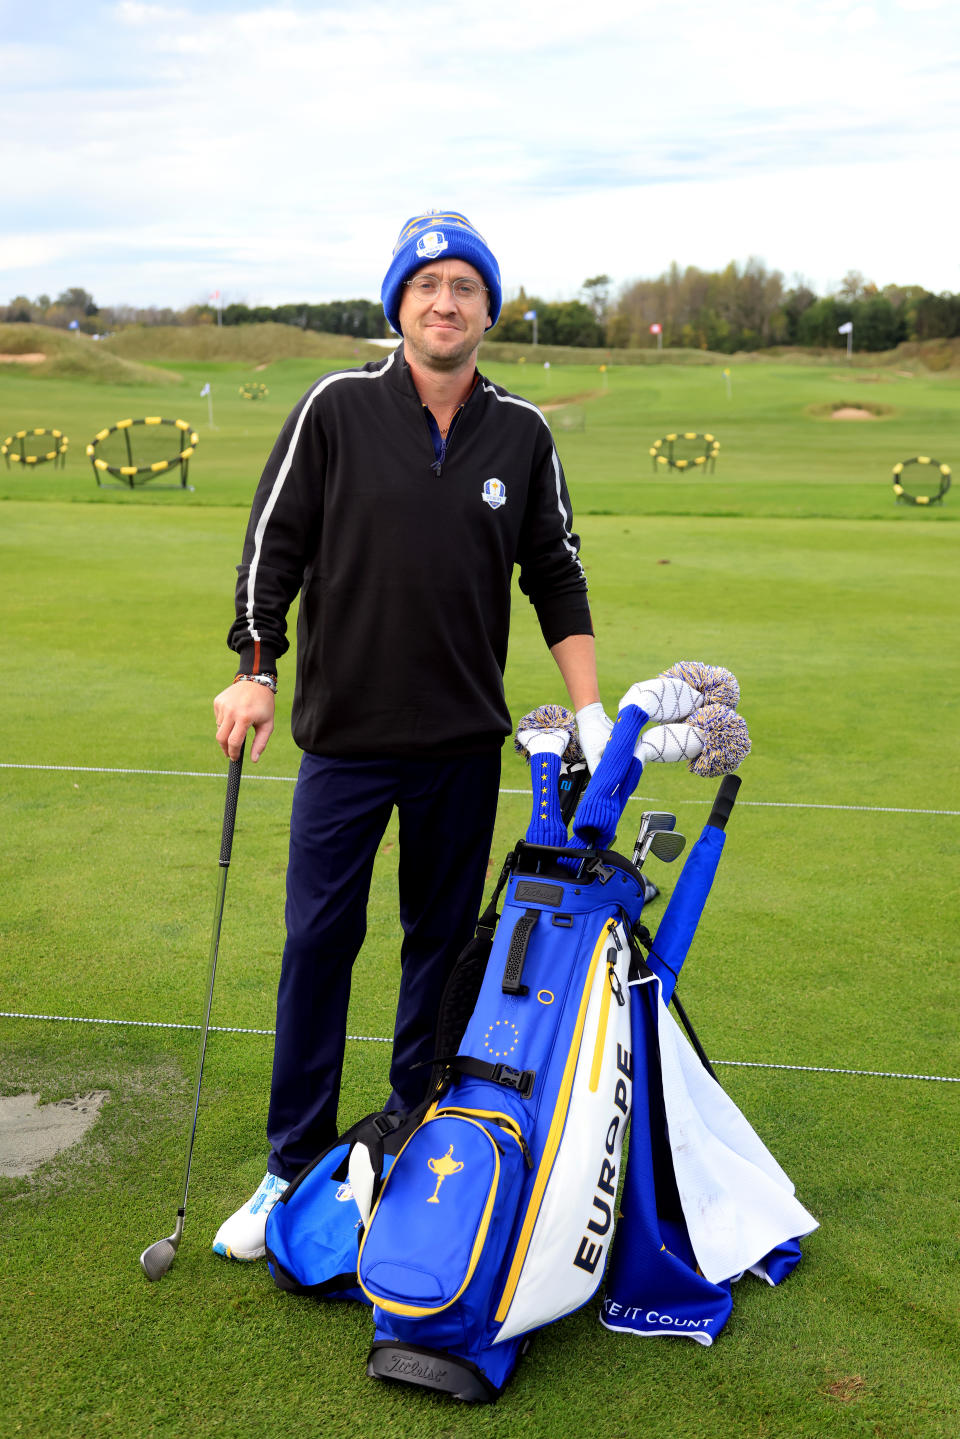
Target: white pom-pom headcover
[(551, 729), (714, 741), (683, 688), (716, 685), (664, 699)]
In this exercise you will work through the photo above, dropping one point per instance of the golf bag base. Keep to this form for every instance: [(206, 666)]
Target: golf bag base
[(438, 1369)]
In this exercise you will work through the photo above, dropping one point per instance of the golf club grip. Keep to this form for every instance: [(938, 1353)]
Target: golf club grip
[(230, 808), (723, 803)]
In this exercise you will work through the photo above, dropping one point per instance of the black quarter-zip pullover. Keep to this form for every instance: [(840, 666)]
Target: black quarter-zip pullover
[(404, 574)]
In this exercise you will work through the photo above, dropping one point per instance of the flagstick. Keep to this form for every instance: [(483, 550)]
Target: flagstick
[(726, 376), (210, 409)]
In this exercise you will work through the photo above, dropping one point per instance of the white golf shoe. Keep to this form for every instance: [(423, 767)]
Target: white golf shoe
[(242, 1235)]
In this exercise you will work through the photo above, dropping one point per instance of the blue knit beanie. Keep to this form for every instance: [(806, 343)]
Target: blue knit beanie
[(438, 235)]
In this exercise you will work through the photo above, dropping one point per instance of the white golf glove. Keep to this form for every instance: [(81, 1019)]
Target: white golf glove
[(594, 729)]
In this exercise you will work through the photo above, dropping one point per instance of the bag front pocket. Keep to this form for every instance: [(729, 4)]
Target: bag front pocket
[(439, 1217)]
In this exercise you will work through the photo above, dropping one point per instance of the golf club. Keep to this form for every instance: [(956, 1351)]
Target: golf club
[(664, 844), (652, 821), (157, 1258)]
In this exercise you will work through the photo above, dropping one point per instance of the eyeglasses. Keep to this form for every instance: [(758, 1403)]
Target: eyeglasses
[(427, 287)]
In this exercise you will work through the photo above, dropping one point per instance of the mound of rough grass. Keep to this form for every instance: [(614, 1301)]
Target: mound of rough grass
[(41, 350), (252, 344)]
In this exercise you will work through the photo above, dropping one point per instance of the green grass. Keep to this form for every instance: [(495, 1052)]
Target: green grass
[(828, 942)]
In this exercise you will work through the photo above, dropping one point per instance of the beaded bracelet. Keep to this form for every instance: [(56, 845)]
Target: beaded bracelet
[(269, 680)]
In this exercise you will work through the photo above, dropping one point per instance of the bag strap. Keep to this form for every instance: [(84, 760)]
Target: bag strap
[(487, 923), (520, 1080)]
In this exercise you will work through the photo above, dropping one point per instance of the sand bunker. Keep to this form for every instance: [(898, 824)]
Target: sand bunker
[(31, 1132), (32, 358), (852, 412)]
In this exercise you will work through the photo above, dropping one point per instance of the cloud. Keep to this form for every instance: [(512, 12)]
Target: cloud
[(266, 145)]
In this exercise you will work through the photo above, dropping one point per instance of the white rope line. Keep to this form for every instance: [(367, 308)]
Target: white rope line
[(648, 799), (164, 1024), (380, 1039), (169, 773), (824, 1069)]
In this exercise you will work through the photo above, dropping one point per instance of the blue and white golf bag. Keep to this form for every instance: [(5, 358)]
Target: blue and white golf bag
[(492, 1211), (497, 1214)]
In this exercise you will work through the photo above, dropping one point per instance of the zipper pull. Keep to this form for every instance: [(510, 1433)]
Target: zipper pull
[(615, 984)]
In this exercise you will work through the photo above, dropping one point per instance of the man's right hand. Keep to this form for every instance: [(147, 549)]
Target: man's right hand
[(242, 706)]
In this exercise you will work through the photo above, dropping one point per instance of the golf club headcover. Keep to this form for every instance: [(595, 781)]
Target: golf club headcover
[(717, 685), (714, 741), (593, 727), (725, 739), (613, 782), (665, 699), (545, 737)]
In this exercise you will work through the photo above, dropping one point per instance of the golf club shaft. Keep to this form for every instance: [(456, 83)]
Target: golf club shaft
[(226, 845)]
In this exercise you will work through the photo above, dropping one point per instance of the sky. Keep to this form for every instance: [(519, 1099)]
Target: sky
[(157, 153)]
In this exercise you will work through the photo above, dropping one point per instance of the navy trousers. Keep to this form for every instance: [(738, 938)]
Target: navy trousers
[(340, 811)]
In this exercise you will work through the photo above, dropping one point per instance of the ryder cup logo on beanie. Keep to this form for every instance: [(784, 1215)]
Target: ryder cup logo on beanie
[(432, 235)]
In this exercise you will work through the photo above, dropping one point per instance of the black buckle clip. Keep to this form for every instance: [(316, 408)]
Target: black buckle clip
[(386, 1123), (519, 1079)]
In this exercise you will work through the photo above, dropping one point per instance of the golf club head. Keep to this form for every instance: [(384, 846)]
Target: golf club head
[(665, 844), (651, 821), (157, 1258)]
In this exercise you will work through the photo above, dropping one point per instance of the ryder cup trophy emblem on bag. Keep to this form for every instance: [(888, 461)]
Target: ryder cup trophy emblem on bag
[(444, 1168)]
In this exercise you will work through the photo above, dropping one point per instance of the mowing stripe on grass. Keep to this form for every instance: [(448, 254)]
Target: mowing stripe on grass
[(380, 1039), (291, 779)]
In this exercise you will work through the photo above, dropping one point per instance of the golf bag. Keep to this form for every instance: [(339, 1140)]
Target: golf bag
[(491, 1211), (497, 1213)]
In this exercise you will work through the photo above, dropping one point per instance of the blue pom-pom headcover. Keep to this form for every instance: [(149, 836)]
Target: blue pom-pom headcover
[(438, 235)]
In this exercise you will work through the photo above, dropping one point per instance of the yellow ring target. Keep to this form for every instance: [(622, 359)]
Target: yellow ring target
[(662, 451), (904, 496), (132, 473), (254, 390), (14, 448)]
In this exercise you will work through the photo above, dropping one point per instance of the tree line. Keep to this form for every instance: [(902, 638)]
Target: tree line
[(743, 307)]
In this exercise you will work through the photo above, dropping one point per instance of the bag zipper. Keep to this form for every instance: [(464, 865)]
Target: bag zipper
[(612, 987)]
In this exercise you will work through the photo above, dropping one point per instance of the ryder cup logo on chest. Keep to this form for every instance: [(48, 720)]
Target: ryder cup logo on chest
[(494, 493), (432, 244)]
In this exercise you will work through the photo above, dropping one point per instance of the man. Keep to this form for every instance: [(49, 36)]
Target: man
[(397, 501)]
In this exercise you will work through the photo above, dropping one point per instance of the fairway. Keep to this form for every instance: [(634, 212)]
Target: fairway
[(822, 981)]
